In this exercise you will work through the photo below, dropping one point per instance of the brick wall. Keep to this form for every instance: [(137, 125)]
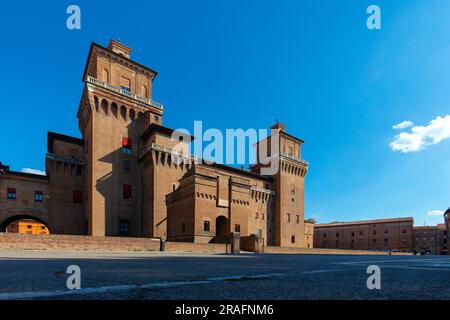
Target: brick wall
[(14, 241), (196, 247), (290, 250)]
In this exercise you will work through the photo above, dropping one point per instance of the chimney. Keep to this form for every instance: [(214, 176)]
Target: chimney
[(278, 126), (118, 47)]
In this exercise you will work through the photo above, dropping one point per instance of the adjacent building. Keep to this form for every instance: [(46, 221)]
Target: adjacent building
[(380, 235), (447, 220), (124, 178), (431, 239)]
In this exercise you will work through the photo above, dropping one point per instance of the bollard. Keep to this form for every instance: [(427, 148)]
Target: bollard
[(235, 242), (162, 244)]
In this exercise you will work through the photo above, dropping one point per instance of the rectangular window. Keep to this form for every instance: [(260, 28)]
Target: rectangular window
[(77, 196), (38, 196), (262, 216), (127, 192), (298, 219), (256, 215), (125, 83), (126, 164), (288, 217), (293, 239), (237, 228), (260, 232), (11, 193), (206, 226), (126, 145)]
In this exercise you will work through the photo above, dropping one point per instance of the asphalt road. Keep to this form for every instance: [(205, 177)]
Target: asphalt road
[(42, 275)]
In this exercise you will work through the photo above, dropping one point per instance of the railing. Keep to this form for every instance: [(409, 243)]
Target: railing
[(263, 190), (176, 153), (124, 92), (56, 157), (292, 157)]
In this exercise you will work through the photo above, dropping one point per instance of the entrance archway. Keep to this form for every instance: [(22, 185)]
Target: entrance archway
[(35, 223), (222, 226)]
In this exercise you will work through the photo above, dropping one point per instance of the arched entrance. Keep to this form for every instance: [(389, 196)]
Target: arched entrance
[(25, 223), (222, 226)]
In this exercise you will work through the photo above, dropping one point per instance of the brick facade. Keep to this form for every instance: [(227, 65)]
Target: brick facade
[(378, 235), (431, 239), (122, 177)]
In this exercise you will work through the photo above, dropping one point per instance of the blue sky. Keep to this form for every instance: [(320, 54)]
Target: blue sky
[(242, 64)]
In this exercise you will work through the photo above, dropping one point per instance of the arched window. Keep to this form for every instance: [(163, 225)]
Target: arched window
[(105, 75), (140, 115), (114, 109), (291, 151), (144, 91), (123, 112), (105, 106), (96, 103), (132, 114)]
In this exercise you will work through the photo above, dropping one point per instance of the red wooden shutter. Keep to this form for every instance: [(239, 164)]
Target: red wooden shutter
[(126, 143), (127, 191), (77, 196)]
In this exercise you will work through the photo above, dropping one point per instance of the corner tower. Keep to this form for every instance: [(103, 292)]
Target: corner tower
[(115, 109), (288, 184)]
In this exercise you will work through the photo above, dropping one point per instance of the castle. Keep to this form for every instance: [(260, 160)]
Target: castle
[(120, 178)]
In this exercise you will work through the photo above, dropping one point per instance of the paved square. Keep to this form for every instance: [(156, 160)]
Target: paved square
[(42, 275)]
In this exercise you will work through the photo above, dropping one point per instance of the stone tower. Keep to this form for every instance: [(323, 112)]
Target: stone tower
[(115, 109), (288, 184)]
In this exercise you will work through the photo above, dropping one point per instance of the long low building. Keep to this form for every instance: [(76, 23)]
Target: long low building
[(381, 235)]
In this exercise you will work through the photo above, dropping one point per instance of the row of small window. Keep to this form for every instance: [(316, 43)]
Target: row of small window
[(289, 218), (11, 194), (260, 215), (77, 195), (361, 233), (353, 242), (127, 194), (207, 227)]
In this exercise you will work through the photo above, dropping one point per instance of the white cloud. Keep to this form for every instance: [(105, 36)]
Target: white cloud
[(435, 213), (33, 171), (403, 125), (422, 137)]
